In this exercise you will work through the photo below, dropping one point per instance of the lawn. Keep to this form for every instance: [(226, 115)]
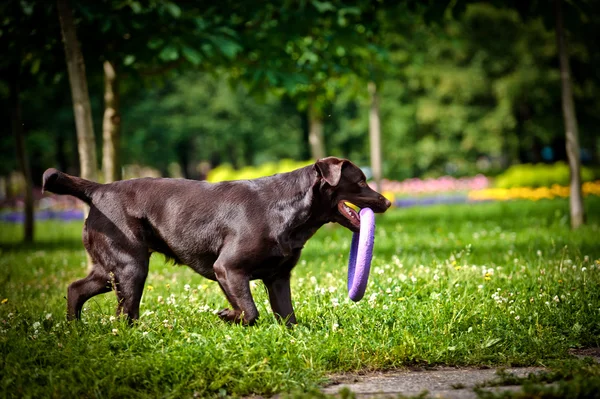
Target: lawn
[(504, 283)]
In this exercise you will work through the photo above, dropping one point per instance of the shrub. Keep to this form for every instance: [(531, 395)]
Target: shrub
[(539, 175), (227, 172)]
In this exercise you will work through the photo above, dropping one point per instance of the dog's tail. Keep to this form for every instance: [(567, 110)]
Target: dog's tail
[(58, 182)]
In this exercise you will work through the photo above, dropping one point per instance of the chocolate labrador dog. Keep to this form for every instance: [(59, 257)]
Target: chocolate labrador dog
[(230, 232)]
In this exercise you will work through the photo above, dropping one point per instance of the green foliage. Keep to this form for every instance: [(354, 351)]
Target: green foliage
[(539, 175), (199, 117), (226, 172), (308, 61), (490, 284), (465, 88)]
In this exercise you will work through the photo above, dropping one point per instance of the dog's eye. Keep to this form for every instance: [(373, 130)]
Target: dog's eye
[(362, 184)]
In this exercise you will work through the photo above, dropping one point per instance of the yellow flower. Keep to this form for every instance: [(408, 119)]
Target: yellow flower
[(4, 300), (457, 267), (401, 298), (150, 288)]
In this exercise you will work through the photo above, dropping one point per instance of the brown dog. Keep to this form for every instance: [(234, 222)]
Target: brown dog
[(231, 232)]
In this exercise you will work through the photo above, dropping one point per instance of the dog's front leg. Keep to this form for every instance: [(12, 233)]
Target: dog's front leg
[(280, 296), (235, 283)]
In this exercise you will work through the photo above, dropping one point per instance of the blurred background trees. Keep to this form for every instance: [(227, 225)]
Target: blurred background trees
[(181, 87)]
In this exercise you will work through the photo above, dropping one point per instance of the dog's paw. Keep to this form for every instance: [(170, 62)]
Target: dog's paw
[(230, 316)]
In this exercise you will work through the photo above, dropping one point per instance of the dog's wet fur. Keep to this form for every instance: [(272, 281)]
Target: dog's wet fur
[(230, 232)]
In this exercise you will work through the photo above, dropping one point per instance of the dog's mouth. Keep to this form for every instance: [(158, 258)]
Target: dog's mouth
[(350, 214)]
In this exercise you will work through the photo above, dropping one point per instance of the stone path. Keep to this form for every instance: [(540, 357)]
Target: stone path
[(442, 382)]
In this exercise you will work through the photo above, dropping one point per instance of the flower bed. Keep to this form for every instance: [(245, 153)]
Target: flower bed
[(534, 194), (444, 184)]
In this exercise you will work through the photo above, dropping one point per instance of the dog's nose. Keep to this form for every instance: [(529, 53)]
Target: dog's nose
[(387, 202)]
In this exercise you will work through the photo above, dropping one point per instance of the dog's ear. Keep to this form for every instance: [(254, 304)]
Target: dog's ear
[(330, 169)]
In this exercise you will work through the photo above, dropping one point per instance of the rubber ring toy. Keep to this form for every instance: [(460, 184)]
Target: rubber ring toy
[(361, 253)]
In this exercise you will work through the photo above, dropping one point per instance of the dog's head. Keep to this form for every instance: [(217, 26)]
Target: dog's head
[(341, 182)]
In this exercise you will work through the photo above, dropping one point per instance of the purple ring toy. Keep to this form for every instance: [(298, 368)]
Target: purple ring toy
[(361, 253)]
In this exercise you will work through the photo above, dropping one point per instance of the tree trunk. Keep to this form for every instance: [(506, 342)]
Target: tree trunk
[(315, 132), (17, 127), (86, 143), (375, 135), (183, 156), (571, 129), (111, 125)]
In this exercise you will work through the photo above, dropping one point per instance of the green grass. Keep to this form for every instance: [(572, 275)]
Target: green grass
[(502, 284)]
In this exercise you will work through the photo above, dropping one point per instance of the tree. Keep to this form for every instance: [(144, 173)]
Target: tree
[(571, 128), (20, 64), (148, 41), (17, 127), (111, 124), (309, 61), (375, 135), (583, 14), (79, 92)]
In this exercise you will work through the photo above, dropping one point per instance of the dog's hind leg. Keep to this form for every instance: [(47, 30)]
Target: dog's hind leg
[(97, 282), (129, 286), (235, 283)]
